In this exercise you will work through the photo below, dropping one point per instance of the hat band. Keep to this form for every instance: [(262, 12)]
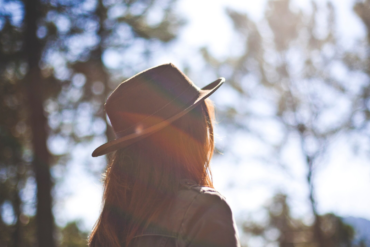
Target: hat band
[(137, 129), (140, 128), (152, 120)]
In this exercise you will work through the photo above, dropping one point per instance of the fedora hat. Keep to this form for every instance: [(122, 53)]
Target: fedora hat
[(149, 101)]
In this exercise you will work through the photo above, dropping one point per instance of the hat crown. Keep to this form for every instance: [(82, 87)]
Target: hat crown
[(148, 98)]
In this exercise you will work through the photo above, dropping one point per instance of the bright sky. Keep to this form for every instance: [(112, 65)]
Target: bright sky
[(344, 182)]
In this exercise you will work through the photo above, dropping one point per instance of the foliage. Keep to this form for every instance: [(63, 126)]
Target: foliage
[(294, 84), (55, 78), (286, 231), (72, 236)]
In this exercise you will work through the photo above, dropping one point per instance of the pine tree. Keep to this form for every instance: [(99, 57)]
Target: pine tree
[(51, 67)]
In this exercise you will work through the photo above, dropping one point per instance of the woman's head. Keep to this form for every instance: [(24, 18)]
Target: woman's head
[(143, 177)]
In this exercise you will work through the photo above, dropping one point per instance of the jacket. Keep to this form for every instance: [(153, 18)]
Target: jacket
[(198, 217)]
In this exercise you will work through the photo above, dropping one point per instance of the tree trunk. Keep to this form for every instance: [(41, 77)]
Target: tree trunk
[(17, 207), (318, 236), (38, 122), (317, 233)]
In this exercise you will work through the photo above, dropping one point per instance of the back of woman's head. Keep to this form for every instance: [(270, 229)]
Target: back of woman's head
[(142, 178)]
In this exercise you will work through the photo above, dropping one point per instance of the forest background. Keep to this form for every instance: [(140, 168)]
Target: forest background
[(293, 129)]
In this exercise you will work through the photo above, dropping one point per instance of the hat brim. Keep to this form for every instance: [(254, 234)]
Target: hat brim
[(127, 140)]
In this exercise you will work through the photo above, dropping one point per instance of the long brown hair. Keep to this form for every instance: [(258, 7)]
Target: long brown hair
[(142, 178)]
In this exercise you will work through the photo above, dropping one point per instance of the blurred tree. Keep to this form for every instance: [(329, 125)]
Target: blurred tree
[(32, 51), (358, 60), (282, 229), (286, 72), (72, 236), (54, 81), (362, 9), (14, 131)]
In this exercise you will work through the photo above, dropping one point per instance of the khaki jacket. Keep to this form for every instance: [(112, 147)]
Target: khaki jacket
[(199, 217)]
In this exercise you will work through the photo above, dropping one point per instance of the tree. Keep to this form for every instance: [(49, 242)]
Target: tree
[(72, 236), (15, 132), (52, 68), (288, 64), (286, 231), (32, 52), (357, 60)]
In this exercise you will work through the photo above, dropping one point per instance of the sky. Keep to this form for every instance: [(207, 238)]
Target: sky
[(344, 181)]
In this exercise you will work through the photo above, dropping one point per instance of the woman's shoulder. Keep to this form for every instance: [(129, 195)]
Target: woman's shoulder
[(190, 187), (201, 198), (193, 201), (208, 217)]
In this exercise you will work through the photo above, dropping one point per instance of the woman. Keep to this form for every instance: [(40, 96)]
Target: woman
[(158, 187)]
